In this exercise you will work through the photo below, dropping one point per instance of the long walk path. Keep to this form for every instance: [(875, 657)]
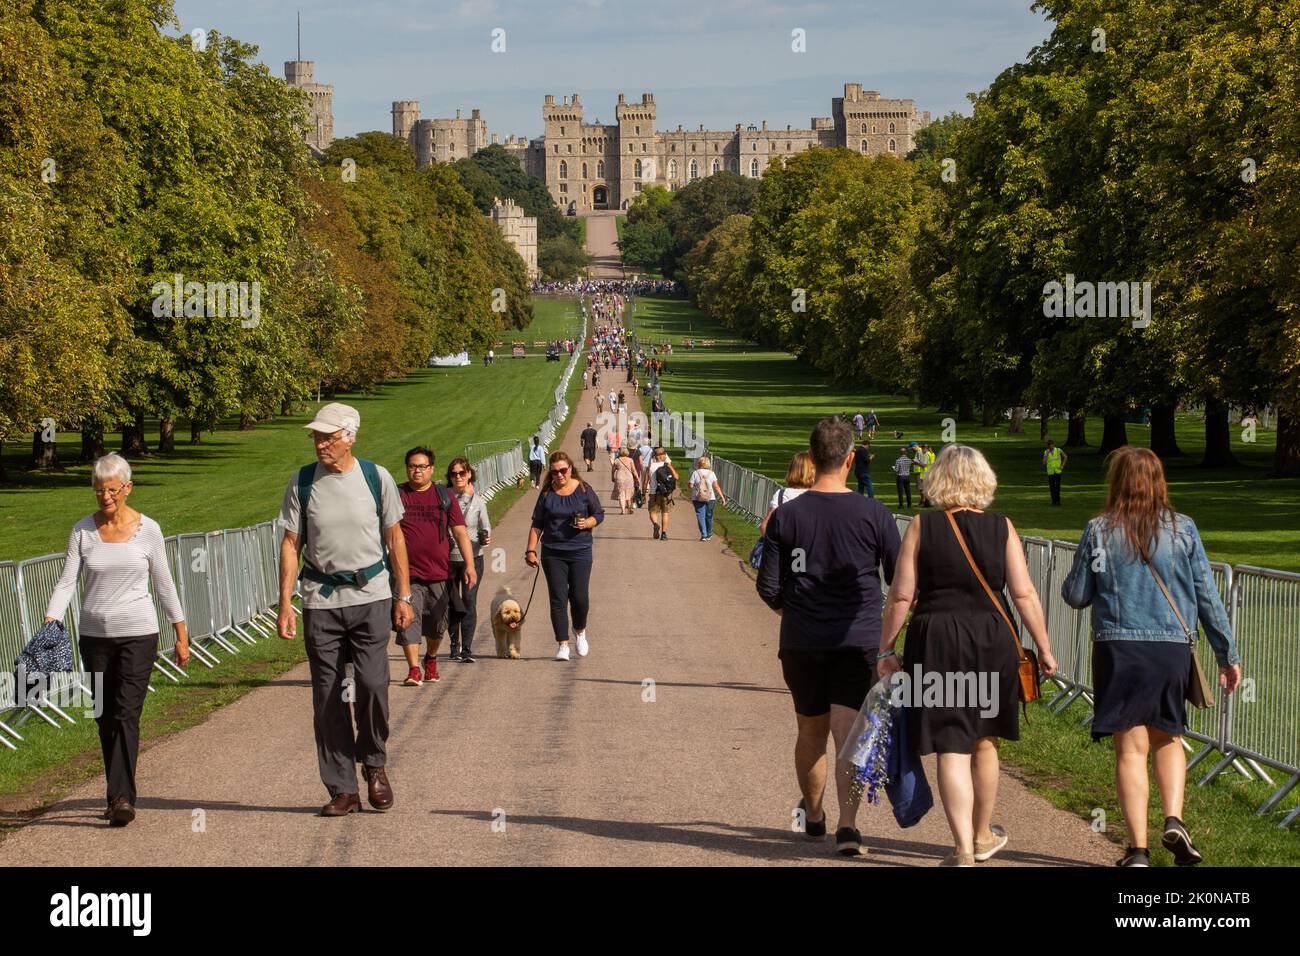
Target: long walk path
[(536, 761), (602, 244)]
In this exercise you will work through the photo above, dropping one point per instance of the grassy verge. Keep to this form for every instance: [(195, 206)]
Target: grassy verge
[(51, 762), (238, 478), (759, 406)]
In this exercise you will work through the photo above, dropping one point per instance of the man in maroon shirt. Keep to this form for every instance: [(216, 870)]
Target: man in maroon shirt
[(432, 515)]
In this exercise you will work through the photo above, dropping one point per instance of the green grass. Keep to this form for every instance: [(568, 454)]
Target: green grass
[(238, 478), (760, 404)]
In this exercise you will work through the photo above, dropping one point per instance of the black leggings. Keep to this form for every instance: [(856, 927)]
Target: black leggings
[(567, 581)]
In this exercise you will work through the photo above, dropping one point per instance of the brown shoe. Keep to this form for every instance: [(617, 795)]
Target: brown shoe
[(342, 805), (381, 794), (121, 812)]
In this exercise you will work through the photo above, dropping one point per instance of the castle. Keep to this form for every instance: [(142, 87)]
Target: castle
[(320, 125), (518, 230), (589, 166)]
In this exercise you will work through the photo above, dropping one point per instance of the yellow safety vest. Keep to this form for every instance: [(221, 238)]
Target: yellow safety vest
[(1054, 461)]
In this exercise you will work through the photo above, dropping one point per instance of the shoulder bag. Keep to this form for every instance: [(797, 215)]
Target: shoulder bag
[(1199, 692), (1029, 687)]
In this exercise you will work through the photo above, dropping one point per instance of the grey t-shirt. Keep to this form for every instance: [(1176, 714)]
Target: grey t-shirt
[(343, 532)]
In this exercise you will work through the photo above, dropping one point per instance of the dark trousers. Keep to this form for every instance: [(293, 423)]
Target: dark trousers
[(464, 622), (865, 486), (125, 663), (567, 581), (334, 637), (535, 470), (1054, 483), (904, 488)]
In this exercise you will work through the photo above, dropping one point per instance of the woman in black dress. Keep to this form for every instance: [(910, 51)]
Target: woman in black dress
[(960, 658)]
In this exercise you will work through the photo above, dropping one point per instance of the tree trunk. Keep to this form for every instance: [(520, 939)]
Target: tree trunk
[(245, 422), (196, 432), (990, 415), (166, 434), (284, 408), (1114, 434), (1076, 431), (965, 409), (133, 437), (92, 441), (1286, 460), (1164, 440), (1018, 413), (1218, 436), (1044, 420), (42, 451)]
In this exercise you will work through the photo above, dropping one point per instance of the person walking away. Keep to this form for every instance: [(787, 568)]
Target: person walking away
[(660, 488), (858, 424), (566, 511), (344, 514), (862, 467), (705, 492), (115, 553), (873, 421), (588, 440), (613, 442), (536, 460), (431, 518), (624, 481), (903, 476), (600, 403), (1054, 460), (1148, 592), (958, 632), (819, 571), (463, 616), (799, 477)]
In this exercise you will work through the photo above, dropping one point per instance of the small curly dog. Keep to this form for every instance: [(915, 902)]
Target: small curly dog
[(507, 625)]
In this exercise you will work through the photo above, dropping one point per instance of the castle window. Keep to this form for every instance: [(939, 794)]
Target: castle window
[(787, 147), (873, 127), (643, 147), (891, 127), (584, 170), (600, 169), (673, 147), (637, 173), (755, 145), (716, 166), (672, 169), (564, 188), (631, 147), (638, 130), (893, 147), (753, 168), (557, 147), (692, 147), (864, 145), (561, 130), (695, 170), (570, 147), (564, 170), (864, 127), (636, 186), (715, 147)]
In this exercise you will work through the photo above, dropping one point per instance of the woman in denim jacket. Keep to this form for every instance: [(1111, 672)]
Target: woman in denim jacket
[(1140, 657)]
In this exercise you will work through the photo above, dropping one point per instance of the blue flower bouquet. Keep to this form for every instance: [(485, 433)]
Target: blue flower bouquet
[(869, 744)]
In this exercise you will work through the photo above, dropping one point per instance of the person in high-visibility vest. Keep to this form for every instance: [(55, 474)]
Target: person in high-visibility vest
[(925, 470), (918, 470), (1054, 460)]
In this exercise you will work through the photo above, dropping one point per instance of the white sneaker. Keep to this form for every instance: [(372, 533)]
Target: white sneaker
[(582, 643), (563, 653)]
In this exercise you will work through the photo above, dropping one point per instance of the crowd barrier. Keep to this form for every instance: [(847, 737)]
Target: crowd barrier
[(1251, 731), (227, 582)]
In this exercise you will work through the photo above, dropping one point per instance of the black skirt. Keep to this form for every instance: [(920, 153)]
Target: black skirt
[(1140, 683)]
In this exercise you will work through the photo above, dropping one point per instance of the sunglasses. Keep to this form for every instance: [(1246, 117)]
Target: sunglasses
[(458, 474), (559, 471)]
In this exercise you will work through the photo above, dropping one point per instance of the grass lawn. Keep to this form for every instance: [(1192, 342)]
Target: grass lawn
[(759, 406), (50, 762), (238, 478)]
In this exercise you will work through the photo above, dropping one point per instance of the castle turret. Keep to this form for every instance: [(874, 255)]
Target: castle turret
[(406, 113)]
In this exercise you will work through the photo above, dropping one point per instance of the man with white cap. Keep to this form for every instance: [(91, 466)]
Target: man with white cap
[(343, 513)]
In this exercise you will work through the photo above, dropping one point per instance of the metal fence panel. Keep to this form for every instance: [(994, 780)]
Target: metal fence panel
[(1268, 639)]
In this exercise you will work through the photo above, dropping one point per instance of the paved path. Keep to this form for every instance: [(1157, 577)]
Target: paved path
[(577, 764), (602, 244)]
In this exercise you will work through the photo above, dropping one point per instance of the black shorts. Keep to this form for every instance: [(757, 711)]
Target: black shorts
[(818, 679)]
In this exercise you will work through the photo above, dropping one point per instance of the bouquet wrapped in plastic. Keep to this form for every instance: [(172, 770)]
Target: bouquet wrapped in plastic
[(870, 742)]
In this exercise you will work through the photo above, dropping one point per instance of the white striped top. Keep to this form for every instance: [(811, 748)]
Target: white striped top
[(115, 599)]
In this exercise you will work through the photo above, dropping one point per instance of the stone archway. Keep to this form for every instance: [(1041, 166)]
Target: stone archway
[(600, 197)]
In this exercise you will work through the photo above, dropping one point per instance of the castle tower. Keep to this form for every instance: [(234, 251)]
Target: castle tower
[(518, 230), (320, 96), (562, 137), (869, 124), (638, 148), (406, 113)]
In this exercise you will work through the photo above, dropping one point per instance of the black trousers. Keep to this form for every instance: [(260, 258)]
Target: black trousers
[(904, 488), (463, 623), (125, 663), (568, 583), (1054, 484), (535, 470)]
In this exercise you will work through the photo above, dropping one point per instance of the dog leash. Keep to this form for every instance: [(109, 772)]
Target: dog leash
[(536, 574)]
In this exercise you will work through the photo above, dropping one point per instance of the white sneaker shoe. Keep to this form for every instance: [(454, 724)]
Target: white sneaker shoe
[(563, 653), (581, 637)]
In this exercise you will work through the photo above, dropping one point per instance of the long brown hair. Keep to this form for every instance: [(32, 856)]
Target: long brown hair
[(559, 456), (801, 473), (1137, 500)]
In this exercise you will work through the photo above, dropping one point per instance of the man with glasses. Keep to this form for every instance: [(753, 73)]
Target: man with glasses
[(344, 513), (431, 516)]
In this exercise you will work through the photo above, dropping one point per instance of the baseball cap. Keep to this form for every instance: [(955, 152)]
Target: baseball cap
[(334, 416)]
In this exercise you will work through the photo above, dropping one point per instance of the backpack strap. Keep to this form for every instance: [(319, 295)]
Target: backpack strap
[(306, 475)]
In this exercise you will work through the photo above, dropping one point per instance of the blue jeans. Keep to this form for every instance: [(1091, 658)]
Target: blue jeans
[(704, 515), (864, 484)]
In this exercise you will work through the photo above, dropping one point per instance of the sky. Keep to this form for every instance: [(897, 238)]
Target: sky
[(710, 62)]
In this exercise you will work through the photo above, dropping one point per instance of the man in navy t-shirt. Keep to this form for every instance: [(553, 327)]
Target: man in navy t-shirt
[(821, 555)]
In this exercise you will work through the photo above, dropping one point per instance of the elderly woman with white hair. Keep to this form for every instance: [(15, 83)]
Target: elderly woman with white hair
[(117, 551), (960, 634)]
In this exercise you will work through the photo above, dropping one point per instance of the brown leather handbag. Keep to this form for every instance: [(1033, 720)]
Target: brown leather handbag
[(1199, 692), (1029, 685)]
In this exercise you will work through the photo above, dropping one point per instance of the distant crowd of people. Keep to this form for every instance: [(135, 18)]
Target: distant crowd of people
[(587, 287)]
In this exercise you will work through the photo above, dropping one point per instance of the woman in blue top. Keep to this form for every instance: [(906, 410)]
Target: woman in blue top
[(1141, 661), (566, 511)]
